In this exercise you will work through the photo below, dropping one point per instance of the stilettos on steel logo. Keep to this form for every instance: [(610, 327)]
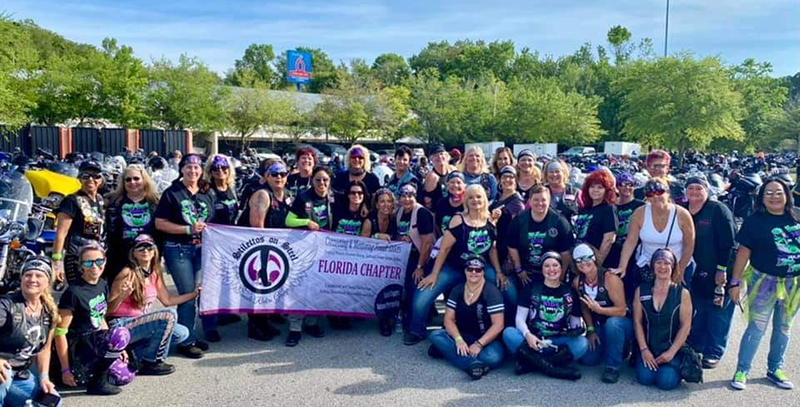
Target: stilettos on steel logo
[(264, 268)]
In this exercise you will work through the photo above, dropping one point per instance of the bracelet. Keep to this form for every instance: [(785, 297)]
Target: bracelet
[(66, 370), (44, 375), (57, 256), (590, 329), (517, 270), (459, 339), (375, 235), (735, 282), (188, 230), (479, 343), (643, 350), (419, 266)]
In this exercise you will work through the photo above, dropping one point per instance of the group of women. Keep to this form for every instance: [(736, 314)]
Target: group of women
[(530, 267)]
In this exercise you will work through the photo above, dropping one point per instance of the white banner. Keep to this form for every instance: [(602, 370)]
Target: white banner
[(247, 270)]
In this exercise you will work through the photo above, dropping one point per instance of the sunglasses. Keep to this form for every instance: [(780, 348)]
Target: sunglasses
[(219, 168), (131, 179), (626, 185), (142, 249), (277, 174), (86, 176), (584, 259), (652, 193), (98, 262), (361, 193), (474, 270), (322, 180)]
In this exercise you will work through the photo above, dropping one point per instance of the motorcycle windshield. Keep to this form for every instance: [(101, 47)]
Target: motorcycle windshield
[(16, 197), (64, 169)]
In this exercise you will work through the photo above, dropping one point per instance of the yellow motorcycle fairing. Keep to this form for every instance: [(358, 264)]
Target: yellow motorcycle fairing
[(46, 182)]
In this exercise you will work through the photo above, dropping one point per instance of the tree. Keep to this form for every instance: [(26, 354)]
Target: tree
[(465, 59), (619, 37), (184, 96), (257, 60), (679, 102), (787, 124), (17, 59), (391, 70), (248, 110), (344, 111), (763, 97), (123, 81), (391, 115)]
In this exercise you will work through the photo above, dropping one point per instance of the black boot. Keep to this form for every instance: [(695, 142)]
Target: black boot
[(562, 357), (523, 363), (100, 386), (543, 364)]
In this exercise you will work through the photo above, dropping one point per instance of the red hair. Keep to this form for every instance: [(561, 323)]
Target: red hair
[(604, 178), (658, 155), (305, 151)]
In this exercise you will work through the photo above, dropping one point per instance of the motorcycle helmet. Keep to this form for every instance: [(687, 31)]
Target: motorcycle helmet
[(157, 163)]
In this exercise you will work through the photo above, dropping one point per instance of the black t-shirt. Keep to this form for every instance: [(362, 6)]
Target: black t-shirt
[(624, 213), (88, 303), (474, 320), (592, 223), (88, 220), (309, 205), (244, 202), (565, 203), (774, 243), (533, 239), (445, 212), (469, 239), (424, 223), (225, 206), (438, 193), (512, 206), (347, 222), (297, 184), (128, 219), (180, 207), (713, 245), (342, 181), (549, 312), (391, 228), (21, 340)]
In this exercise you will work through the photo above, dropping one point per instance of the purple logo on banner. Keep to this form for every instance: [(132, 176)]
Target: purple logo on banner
[(264, 269), (298, 66)]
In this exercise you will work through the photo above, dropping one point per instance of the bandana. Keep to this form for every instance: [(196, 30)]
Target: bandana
[(39, 264)]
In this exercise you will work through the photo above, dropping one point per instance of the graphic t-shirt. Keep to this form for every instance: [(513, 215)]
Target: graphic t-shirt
[(470, 239), (475, 319), (88, 303), (347, 222), (297, 184), (225, 207), (549, 310), (592, 223), (424, 224), (129, 219), (445, 212), (774, 243), (309, 205), (533, 239), (624, 213), (179, 206)]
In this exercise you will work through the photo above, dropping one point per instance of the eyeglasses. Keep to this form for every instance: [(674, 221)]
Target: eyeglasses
[(322, 180), (474, 270), (357, 158), (360, 193), (219, 168), (132, 179), (584, 259), (776, 193), (142, 249), (86, 176), (87, 264), (658, 166), (278, 174)]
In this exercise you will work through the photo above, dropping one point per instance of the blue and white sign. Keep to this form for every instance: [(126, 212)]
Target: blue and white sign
[(298, 66)]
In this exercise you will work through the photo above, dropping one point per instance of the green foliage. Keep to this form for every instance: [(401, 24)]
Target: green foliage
[(763, 97), (471, 60), (324, 76), (679, 102), (17, 58), (391, 70), (256, 63), (248, 110)]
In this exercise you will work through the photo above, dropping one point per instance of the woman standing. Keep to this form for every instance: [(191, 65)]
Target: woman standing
[(658, 224), (311, 210), (402, 170), (768, 240), (476, 172), (626, 205), (300, 181), (357, 169), (350, 217), (528, 174), (563, 197), (129, 214), (436, 180), (505, 208), (181, 216), (454, 204), (218, 175), (381, 224), (609, 328), (662, 319), (31, 309), (596, 221), (470, 233), (502, 157), (473, 321), (81, 220), (543, 321)]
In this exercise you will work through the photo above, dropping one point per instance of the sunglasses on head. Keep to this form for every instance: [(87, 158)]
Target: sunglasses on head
[(131, 179), (87, 176), (88, 263)]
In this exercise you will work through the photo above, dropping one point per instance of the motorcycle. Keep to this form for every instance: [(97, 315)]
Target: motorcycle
[(19, 232)]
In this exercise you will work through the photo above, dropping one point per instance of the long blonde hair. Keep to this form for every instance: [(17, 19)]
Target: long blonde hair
[(463, 165), (137, 295), (150, 193), (477, 189), (50, 305), (367, 161), (231, 180)]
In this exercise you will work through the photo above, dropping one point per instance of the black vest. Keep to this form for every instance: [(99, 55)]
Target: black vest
[(661, 327), (602, 297), (16, 338)]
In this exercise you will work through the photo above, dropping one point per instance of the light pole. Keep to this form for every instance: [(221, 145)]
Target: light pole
[(666, 31)]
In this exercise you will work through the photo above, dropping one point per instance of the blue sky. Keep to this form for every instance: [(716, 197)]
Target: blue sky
[(218, 32)]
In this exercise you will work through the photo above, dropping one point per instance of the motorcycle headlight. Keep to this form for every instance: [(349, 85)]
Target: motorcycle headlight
[(54, 200)]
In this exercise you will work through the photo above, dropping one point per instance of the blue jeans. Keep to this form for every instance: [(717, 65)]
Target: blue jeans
[(710, 326), (183, 263), (615, 338), (667, 377), (761, 306), (578, 345), (14, 393), (152, 333), (491, 355), (449, 278)]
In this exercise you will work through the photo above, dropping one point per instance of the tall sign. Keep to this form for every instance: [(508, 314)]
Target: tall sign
[(298, 67)]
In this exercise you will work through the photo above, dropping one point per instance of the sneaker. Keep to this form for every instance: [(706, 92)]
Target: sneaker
[(435, 353), (293, 338), (477, 369), (190, 351), (213, 336), (780, 379), (201, 344), (410, 339), (710, 363), (739, 381), (610, 375), (158, 368), (314, 330)]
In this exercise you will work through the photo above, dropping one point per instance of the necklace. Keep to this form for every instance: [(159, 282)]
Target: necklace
[(33, 311), (471, 293)]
